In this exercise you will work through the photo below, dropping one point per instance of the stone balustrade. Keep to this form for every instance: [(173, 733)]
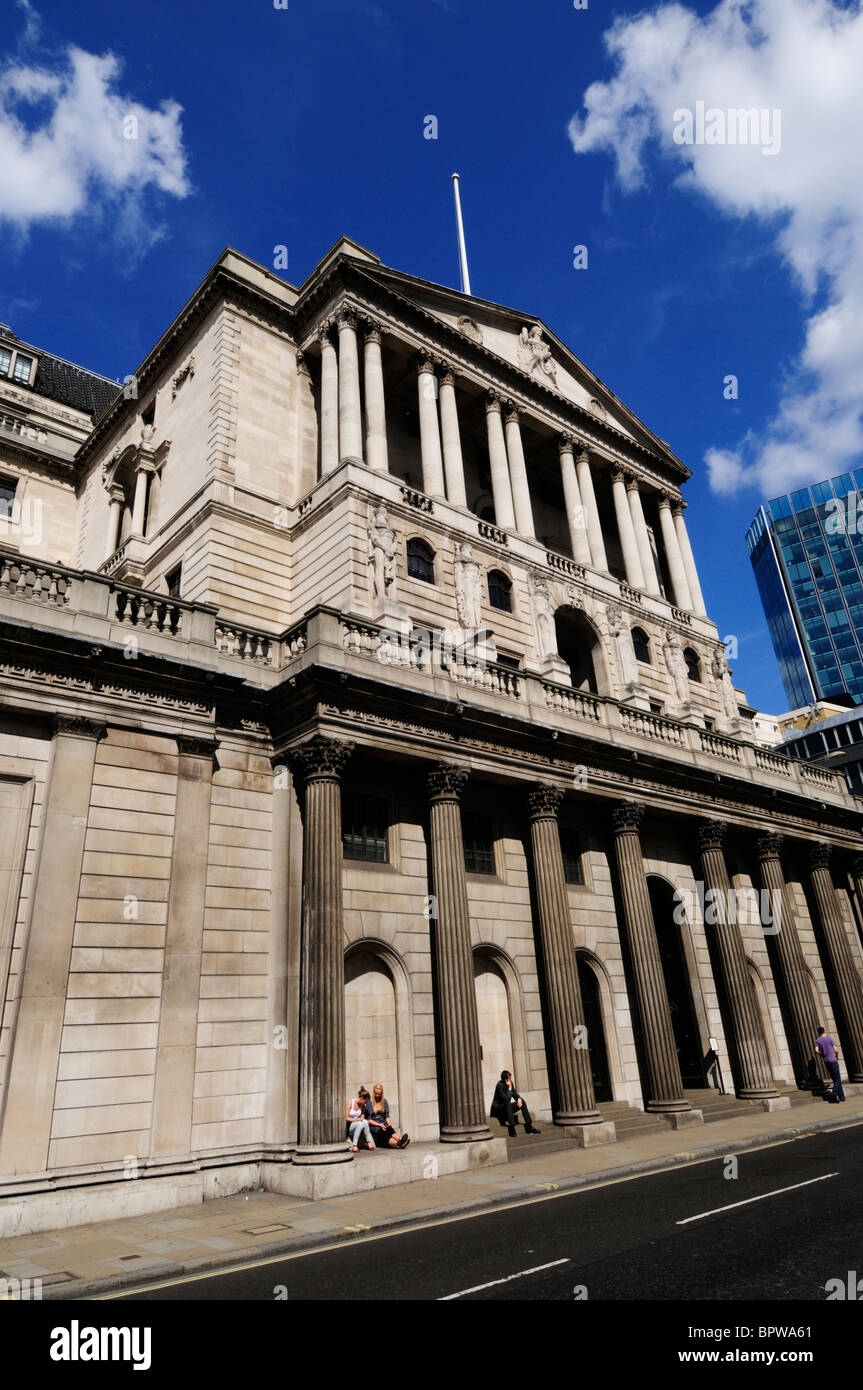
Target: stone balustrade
[(139, 609), (720, 747), (246, 644), (31, 579)]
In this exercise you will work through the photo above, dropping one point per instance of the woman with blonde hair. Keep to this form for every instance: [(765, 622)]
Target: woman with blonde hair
[(378, 1116)]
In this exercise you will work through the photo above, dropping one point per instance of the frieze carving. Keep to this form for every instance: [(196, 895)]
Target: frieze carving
[(447, 782), (186, 371), (627, 817), (320, 758), (470, 328), (544, 802), (711, 834)]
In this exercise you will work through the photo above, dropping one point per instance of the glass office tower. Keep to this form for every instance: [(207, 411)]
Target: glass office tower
[(806, 550)]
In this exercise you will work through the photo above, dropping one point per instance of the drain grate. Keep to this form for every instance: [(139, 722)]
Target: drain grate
[(266, 1230)]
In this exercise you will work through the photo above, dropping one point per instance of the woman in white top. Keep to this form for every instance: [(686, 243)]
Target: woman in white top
[(358, 1125)]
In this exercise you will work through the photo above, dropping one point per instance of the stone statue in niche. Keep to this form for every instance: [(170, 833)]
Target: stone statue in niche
[(383, 544), (675, 662), (621, 636), (543, 612), (722, 676), (535, 354), (468, 588)]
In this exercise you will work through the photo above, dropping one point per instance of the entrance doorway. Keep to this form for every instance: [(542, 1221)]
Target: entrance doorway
[(495, 1030), (592, 1005), (687, 1037)]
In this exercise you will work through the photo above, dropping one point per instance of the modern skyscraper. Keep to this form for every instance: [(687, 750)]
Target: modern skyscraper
[(806, 550)]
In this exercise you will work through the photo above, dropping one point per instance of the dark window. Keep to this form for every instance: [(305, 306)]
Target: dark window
[(7, 495), (570, 844), (364, 828), (420, 561), (641, 643), (148, 416), (173, 581), (513, 662), (693, 665), (500, 591), (478, 843), (709, 725), (655, 708)]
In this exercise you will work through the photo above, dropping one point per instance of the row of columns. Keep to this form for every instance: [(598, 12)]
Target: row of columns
[(343, 437), (318, 766)]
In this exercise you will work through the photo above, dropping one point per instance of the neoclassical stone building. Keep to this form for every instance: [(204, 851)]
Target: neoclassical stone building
[(361, 720)]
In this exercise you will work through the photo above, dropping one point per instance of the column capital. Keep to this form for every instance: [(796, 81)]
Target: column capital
[(632, 483), (447, 374), (426, 362), (819, 854), (372, 329), (320, 758), (79, 728), (197, 747), (566, 443), (447, 781), (768, 845), (512, 412), (711, 834), (322, 334), (544, 802), (857, 865), (346, 317), (627, 815), (678, 506), (665, 499), (492, 402), (618, 474), (116, 493)]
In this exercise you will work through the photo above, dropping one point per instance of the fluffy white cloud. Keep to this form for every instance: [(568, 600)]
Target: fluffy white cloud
[(72, 145), (802, 59)]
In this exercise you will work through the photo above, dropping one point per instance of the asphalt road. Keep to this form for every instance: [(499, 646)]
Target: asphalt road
[(683, 1234)]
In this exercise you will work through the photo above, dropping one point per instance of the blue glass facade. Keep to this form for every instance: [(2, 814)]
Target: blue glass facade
[(806, 550)]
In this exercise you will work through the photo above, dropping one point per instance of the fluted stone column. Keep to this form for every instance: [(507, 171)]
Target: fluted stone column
[(115, 518), (518, 474), (803, 1022), (575, 1103), (642, 539), (329, 402), (845, 975), (452, 456), (504, 514), (680, 588), (591, 511), (626, 531), (575, 510), (376, 414), (430, 446), (664, 1084), (754, 1081), (462, 1105), (319, 765), (350, 408), (688, 560)]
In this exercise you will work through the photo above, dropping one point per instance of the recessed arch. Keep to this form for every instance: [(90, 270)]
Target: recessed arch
[(589, 965), (369, 964), (767, 1030), (498, 985), (580, 645), (420, 559), (677, 953)]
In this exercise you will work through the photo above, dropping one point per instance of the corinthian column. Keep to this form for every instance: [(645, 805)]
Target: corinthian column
[(329, 403), (350, 409), (139, 507), (575, 511), (688, 560), (752, 1066), (626, 531), (376, 415), (319, 765), (802, 1021), (664, 1085), (504, 515), (591, 511), (432, 460), (461, 1099), (574, 1101), (642, 539), (845, 975), (452, 458), (518, 474), (679, 587)]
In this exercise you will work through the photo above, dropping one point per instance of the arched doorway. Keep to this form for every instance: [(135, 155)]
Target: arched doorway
[(592, 1005), (579, 646), (675, 970), (495, 1025), (371, 1028)]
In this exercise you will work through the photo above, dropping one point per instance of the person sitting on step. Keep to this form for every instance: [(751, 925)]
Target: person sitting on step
[(508, 1105), (378, 1116), (358, 1125)]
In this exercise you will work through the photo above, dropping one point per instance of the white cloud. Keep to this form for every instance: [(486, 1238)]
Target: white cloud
[(802, 58), (72, 145)]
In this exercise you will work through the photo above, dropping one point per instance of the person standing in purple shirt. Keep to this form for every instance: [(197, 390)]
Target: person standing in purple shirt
[(827, 1048)]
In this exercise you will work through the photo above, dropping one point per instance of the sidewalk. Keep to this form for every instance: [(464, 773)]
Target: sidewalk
[(84, 1261)]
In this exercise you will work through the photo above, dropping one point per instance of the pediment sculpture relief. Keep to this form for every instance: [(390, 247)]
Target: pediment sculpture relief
[(535, 354)]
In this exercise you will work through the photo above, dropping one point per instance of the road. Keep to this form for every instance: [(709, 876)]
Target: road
[(686, 1233)]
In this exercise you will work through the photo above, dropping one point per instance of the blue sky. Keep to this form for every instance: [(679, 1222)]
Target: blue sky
[(262, 127)]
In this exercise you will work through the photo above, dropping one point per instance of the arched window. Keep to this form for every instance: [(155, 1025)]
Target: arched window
[(500, 591), (420, 560), (693, 665), (641, 644)]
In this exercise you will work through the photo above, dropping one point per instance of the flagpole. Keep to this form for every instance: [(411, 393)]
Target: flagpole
[(462, 249)]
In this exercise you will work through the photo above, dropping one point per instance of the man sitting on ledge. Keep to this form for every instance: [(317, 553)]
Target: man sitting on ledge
[(508, 1105)]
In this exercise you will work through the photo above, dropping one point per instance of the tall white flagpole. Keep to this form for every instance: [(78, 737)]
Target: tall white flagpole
[(462, 249)]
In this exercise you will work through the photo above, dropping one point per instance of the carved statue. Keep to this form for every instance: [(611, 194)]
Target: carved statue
[(536, 354), (543, 612), (468, 588), (675, 661), (722, 676), (622, 638), (383, 544)]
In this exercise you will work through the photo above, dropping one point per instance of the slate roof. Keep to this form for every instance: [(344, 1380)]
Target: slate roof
[(65, 382)]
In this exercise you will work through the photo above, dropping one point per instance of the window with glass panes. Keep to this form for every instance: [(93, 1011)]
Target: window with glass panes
[(478, 837), (7, 495), (570, 846), (23, 367), (365, 823)]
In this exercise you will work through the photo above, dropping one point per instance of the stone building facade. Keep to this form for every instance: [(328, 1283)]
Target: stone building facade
[(361, 720)]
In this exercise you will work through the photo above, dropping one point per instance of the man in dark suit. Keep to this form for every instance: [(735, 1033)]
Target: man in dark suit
[(508, 1104)]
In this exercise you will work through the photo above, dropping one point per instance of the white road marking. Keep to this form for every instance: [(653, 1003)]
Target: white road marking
[(478, 1287), (776, 1193)]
